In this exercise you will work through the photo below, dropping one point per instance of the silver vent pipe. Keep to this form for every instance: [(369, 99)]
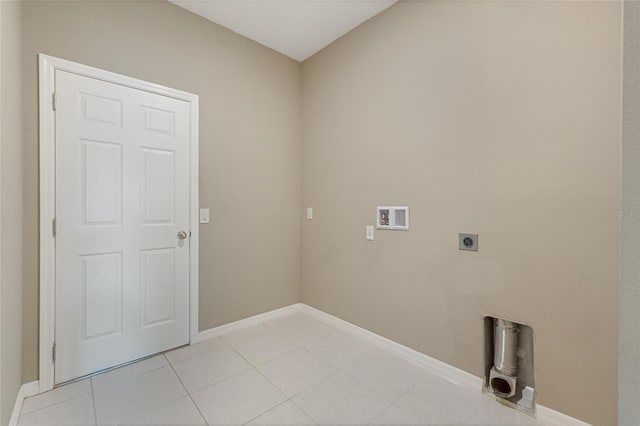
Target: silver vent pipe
[(505, 352)]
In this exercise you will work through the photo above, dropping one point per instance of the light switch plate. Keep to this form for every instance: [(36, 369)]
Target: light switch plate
[(204, 215), (370, 231), (309, 213)]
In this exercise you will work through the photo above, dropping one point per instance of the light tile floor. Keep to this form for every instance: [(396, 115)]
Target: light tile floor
[(293, 370)]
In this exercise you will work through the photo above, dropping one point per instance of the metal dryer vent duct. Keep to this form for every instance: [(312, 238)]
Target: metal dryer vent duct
[(505, 353), (505, 360)]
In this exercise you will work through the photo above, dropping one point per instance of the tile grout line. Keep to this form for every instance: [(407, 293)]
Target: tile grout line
[(157, 408), (186, 390), (297, 344), (288, 399), (342, 370), (52, 405), (129, 378), (252, 368), (265, 412), (93, 400), (321, 380), (325, 379), (315, 385), (296, 347), (412, 387), (303, 411), (161, 406), (267, 379), (228, 346), (225, 346)]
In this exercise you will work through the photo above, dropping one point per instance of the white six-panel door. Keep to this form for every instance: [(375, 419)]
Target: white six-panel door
[(122, 200)]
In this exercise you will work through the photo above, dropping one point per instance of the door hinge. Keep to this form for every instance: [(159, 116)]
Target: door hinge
[(53, 101), (53, 352), (54, 227)]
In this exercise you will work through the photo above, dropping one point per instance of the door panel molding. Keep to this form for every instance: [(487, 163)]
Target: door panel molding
[(47, 68)]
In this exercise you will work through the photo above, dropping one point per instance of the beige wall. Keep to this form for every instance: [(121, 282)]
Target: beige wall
[(249, 143), (629, 362), (500, 118), (497, 118), (11, 210)]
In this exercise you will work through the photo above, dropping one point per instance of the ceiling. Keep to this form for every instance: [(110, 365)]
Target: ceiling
[(296, 28)]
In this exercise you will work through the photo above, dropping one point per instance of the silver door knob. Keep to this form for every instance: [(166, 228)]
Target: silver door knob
[(182, 235)]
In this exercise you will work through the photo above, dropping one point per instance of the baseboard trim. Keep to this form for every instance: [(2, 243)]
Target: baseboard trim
[(246, 322), (555, 417), (25, 391), (449, 372), (442, 369)]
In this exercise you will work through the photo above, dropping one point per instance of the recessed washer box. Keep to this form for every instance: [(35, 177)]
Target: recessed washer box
[(393, 218)]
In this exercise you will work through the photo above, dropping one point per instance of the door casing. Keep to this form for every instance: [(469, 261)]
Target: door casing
[(47, 67)]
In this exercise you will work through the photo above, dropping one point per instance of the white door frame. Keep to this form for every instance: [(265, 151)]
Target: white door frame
[(47, 67)]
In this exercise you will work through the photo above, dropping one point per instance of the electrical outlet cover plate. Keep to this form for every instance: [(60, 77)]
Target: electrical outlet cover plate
[(468, 242)]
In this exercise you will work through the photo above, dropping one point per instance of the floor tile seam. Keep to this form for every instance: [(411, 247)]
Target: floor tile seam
[(210, 385), (242, 356), (379, 415), (388, 352), (276, 357), (73, 382), (188, 395), (274, 385), (270, 409), (226, 346), (53, 405), (314, 386), (130, 378), (396, 402), (201, 354), (235, 375), (323, 379), (375, 391), (129, 420), (93, 401), (226, 334), (302, 409), (336, 366), (237, 351), (273, 328), (289, 340), (282, 334)]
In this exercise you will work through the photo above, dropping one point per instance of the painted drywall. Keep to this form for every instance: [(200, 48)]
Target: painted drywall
[(2, 403), (11, 209), (629, 348), (497, 118), (250, 173)]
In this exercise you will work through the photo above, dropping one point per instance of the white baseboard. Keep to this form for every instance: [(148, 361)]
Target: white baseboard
[(442, 369), (246, 322), (449, 372), (557, 418), (25, 391)]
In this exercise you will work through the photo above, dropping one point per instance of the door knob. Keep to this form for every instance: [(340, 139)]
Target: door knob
[(182, 235)]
